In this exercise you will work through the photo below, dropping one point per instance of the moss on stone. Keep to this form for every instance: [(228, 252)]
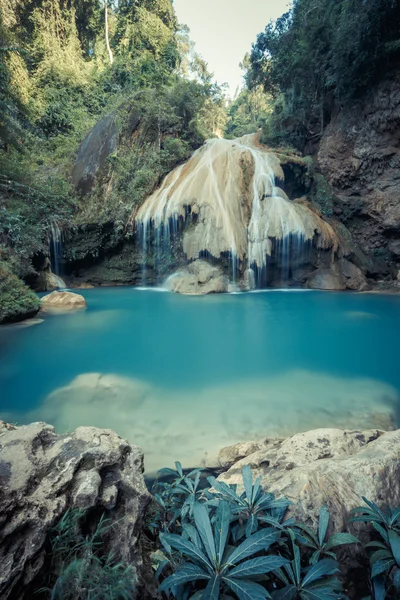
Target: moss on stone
[(17, 301)]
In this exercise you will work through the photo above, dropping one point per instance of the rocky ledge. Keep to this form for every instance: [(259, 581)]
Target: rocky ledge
[(43, 474), (324, 466)]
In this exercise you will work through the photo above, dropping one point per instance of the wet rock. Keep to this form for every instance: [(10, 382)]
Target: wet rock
[(63, 300), (327, 466), (199, 278), (43, 474), (394, 247), (354, 277), (326, 279)]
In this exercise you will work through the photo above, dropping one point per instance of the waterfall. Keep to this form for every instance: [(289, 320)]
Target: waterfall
[(55, 248), (225, 203)]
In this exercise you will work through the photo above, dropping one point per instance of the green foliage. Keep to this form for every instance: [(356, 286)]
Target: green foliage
[(318, 542), (320, 54), (17, 301), (385, 551), (252, 507), (227, 545), (56, 82), (248, 112), (83, 570)]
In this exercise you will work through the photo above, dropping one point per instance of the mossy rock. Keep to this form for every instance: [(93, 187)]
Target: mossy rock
[(17, 301)]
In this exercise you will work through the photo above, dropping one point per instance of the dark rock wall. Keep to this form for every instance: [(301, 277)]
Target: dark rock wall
[(359, 155)]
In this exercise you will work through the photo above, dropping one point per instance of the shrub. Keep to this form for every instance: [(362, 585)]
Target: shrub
[(17, 301)]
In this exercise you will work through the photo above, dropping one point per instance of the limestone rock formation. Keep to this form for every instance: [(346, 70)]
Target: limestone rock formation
[(199, 278), (229, 194), (324, 466), (43, 474), (63, 300)]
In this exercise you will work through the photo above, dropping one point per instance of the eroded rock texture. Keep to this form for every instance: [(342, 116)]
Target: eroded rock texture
[(42, 474), (323, 466), (360, 157)]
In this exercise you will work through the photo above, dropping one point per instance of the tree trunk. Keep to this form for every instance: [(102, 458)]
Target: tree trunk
[(110, 54)]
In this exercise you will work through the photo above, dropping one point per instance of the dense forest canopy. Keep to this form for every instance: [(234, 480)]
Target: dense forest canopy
[(320, 56)]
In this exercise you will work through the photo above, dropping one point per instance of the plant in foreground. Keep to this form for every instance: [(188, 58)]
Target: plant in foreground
[(251, 508), (222, 568), (317, 582), (317, 541), (83, 570), (385, 558)]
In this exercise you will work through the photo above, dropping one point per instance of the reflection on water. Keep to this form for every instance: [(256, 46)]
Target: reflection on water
[(183, 377)]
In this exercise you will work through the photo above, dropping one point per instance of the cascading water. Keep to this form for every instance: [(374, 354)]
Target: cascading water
[(225, 202), (54, 279), (55, 248)]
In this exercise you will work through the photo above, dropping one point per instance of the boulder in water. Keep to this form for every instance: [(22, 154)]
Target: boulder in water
[(43, 474), (199, 278), (63, 300)]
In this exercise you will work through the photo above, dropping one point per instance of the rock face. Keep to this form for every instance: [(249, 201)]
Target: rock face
[(199, 278), (93, 153), (324, 466), (326, 279), (360, 156), (64, 300), (43, 474)]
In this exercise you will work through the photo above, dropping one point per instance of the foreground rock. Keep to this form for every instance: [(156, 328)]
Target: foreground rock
[(43, 474), (199, 278), (64, 300), (323, 466)]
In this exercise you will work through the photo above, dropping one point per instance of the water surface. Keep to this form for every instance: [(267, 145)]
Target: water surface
[(184, 376)]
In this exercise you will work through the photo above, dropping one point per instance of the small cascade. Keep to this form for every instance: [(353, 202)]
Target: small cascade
[(225, 204), (55, 248)]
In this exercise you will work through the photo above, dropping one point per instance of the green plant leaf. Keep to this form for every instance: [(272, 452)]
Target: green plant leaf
[(212, 590), (203, 526), (394, 540), (325, 567), (323, 523), (396, 579), (286, 593), (221, 528), (247, 477), (258, 541), (382, 566), (378, 585), (340, 539), (246, 590), (185, 547), (258, 566), (184, 574)]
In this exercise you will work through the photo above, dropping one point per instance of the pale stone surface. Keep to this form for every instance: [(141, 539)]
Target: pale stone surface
[(327, 466), (199, 278), (326, 279), (354, 277), (43, 474), (53, 281), (230, 186), (63, 300)]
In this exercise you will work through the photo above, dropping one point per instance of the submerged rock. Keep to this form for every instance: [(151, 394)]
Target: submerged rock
[(325, 466), (64, 300), (199, 278), (43, 474)]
